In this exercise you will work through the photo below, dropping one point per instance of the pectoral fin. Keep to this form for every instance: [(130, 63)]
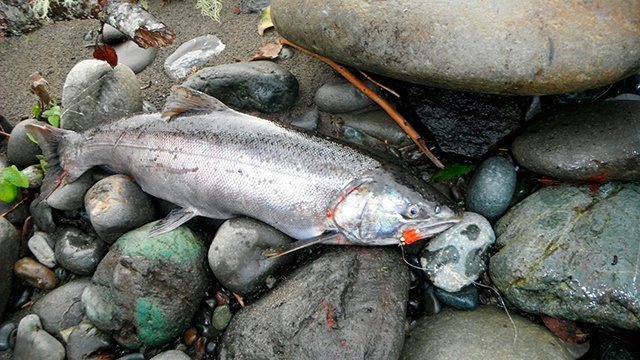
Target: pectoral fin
[(175, 218), (329, 238)]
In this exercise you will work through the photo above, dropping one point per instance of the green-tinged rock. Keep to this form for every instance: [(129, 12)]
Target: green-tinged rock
[(145, 290), (571, 253), (221, 317)]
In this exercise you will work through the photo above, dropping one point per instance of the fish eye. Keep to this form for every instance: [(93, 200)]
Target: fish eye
[(413, 211)]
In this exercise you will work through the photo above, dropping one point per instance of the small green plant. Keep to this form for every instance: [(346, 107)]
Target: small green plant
[(452, 171), (52, 114), (11, 181)]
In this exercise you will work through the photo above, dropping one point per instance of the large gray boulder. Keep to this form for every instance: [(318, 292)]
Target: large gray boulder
[(503, 46), (571, 253)]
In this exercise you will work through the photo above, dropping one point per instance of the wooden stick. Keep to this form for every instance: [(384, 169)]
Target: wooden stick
[(406, 127)]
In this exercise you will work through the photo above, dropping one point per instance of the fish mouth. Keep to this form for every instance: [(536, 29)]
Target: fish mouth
[(424, 230)]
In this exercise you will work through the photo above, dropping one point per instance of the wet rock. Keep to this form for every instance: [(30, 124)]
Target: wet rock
[(342, 97), (20, 149), (458, 256), (35, 274), (5, 335), (41, 246), (510, 47), (42, 215), (578, 143), (221, 317), (465, 124), (491, 188), (193, 53), (133, 56), (71, 196), (171, 355), (116, 205), (377, 124), (308, 120), (350, 303), (86, 340), (78, 252), (146, 290), (465, 299), (255, 86), (432, 305), (20, 295), (489, 334), (61, 309), (570, 253), (9, 248), (94, 92), (34, 343), (236, 254)]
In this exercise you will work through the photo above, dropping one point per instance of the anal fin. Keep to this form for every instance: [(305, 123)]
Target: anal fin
[(328, 238), (175, 218)]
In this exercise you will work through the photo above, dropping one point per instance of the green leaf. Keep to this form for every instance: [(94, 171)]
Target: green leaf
[(13, 176), (265, 20), (32, 138), (37, 111), (8, 192), (54, 120), (43, 162), (452, 171)]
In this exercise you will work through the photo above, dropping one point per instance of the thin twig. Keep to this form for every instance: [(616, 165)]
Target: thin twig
[(388, 89), (404, 124), (5, 134)]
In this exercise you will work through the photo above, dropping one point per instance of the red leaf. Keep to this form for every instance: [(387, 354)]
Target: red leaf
[(566, 330), (550, 181), (106, 53)]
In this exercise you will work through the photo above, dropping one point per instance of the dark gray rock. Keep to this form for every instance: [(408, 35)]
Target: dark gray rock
[(572, 254), (581, 142), (5, 335), (491, 188), (61, 309), (9, 248), (85, 340), (34, 343), (485, 333), (254, 6), (236, 254), (115, 205), (193, 53), (42, 215), (78, 252), (342, 97), (465, 124), (350, 303), (465, 299), (21, 151), (135, 57), (458, 256), (71, 196), (510, 47), (255, 86), (41, 246), (94, 93), (146, 290)]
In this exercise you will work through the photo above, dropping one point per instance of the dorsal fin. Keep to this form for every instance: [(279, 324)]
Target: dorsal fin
[(185, 99)]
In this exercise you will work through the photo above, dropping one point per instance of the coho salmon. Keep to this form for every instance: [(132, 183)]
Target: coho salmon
[(215, 162)]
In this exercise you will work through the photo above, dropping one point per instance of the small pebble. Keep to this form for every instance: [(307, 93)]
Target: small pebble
[(34, 343), (221, 298), (465, 299), (86, 340), (431, 304), (211, 348), (491, 188), (20, 295), (36, 274), (79, 252), (341, 97), (20, 149), (5, 335), (221, 317), (133, 356), (71, 196), (190, 336), (41, 245)]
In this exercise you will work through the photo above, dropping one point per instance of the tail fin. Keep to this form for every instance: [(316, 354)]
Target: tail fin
[(49, 140)]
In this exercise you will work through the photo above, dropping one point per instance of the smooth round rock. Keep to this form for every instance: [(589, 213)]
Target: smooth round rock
[(10, 249), (376, 124), (572, 254), (236, 254), (34, 343), (115, 205), (35, 274), (94, 92), (41, 246), (221, 317), (71, 196), (171, 355), (146, 290), (61, 309), (135, 57), (85, 340), (502, 47), (581, 142), (342, 97), (193, 53), (458, 256), (21, 151), (348, 304), (491, 188), (254, 86), (485, 333), (78, 252), (5, 335)]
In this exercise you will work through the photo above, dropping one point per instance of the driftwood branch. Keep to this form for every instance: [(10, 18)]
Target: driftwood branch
[(384, 104)]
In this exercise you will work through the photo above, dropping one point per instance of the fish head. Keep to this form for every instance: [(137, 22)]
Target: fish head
[(390, 210)]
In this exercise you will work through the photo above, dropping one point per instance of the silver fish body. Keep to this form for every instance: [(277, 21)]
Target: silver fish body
[(219, 163)]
